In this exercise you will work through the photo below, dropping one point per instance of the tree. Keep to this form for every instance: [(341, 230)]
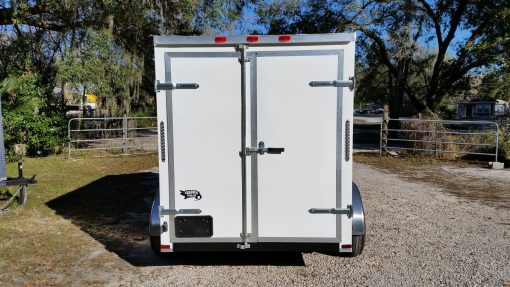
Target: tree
[(394, 33), (42, 32), (104, 45), (98, 66)]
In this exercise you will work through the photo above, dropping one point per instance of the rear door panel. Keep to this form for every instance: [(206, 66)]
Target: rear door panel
[(206, 137), (303, 120)]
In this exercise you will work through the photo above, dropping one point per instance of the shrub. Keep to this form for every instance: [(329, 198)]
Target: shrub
[(23, 99), (42, 133)]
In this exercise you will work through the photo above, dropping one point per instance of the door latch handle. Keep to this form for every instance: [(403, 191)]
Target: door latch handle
[(175, 86), (336, 83), (262, 149)]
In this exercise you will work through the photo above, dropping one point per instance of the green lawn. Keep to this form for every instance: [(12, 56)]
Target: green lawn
[(39, 238)]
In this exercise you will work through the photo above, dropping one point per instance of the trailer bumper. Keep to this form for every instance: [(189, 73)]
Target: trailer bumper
[(257, 247)]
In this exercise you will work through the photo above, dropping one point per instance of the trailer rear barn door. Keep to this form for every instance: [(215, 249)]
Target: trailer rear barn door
[(303, 120), (206, 133)]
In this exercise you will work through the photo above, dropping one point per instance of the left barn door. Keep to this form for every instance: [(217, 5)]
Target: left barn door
[(204, 167)]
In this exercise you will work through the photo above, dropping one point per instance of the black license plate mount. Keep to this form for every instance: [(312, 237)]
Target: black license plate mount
[(194, 226)]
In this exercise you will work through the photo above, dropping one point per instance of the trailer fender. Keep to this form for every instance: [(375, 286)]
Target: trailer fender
[(154, 224), (358, 213)]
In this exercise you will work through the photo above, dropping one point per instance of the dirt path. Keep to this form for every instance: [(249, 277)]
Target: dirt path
[(418, 234)]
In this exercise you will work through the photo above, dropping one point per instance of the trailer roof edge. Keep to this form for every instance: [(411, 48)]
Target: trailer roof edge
[(262, 40)]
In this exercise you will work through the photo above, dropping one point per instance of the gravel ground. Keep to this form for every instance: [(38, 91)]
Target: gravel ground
[(417, 235)]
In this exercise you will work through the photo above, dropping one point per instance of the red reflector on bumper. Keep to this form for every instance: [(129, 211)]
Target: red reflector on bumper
[(165, 246), (346, 246)]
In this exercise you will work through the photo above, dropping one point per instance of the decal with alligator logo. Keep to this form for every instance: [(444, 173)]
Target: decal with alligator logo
[(191, 193)]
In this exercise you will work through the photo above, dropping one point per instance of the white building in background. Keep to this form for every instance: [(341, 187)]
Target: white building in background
[(482, 110)]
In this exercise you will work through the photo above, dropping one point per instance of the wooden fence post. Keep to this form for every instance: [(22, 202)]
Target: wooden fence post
[(125, 134), (384, 131)]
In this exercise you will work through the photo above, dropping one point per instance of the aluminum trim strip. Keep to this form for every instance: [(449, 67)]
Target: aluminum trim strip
[(296, 53), (299, 239), (339, 132), (254, 157), (203, 54), (170, 143), (263, 40), (206, 240)]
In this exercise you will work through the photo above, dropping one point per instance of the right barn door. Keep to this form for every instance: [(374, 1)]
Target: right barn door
[(287, 112)]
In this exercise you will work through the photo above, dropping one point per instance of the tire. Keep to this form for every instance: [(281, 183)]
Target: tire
[(358, 242), (156, 244)]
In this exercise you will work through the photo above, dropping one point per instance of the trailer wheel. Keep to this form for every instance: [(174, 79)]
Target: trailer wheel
[(358, 242), (156, 244)]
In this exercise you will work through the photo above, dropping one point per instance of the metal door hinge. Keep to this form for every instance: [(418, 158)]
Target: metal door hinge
[(336, 83), (347, 211), (242, 49), (163, 211), (158, 86), (245, 244)]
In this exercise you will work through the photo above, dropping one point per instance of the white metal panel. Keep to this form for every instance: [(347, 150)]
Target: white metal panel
[(206, 124), (302, 119)]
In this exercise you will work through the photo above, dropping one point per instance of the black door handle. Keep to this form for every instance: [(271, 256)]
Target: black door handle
[(275, 150)]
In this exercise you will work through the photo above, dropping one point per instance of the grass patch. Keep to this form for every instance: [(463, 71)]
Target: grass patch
[(400, 163), (35, 242)]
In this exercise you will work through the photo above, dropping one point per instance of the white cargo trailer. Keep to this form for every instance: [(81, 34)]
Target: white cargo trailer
[(255, 137)]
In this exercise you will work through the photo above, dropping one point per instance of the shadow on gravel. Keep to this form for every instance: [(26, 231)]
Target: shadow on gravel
[(366, 136), (114, 210), (234, 259)]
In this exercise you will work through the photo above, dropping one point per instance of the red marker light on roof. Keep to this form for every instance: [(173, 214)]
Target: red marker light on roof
[(220, 39), (284, 38), (252, 39)]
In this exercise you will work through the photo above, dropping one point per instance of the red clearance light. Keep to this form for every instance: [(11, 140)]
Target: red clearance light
[(345, 246), (220, 39), (284, 38), (252, 39)]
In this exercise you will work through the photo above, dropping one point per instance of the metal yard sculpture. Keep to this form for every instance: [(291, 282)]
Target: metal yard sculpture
[(7, 196)]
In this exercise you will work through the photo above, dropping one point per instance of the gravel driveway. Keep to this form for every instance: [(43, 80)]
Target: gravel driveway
[(417, 235)]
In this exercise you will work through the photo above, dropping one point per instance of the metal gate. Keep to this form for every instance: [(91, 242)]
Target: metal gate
[(441, 138), (115, 135)]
